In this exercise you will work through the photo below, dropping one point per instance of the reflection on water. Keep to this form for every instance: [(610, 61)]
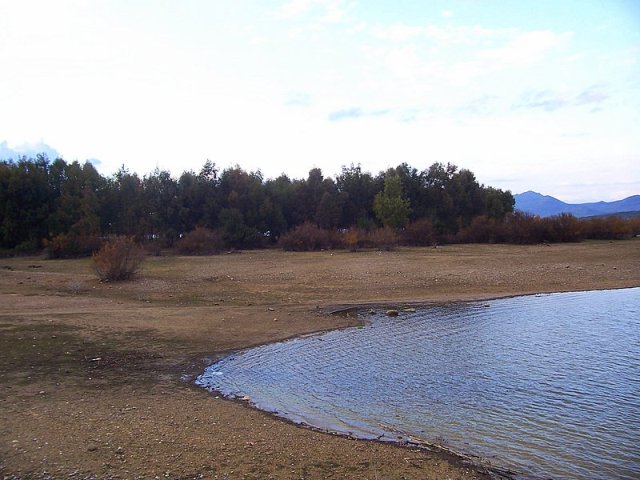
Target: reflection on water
[(547, 385)]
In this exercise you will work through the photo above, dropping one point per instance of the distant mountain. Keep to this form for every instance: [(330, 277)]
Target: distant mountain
[(546, 206)]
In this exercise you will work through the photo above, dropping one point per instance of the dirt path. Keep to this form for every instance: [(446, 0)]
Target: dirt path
[(94, 377)]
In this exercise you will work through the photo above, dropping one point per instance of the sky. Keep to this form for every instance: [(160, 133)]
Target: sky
[(529, 95)]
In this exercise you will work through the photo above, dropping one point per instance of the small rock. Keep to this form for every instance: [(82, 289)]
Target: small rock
[(119, 451), (392, 313), (409, 310)]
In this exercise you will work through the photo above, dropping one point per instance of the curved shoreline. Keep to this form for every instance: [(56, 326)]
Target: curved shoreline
[(400, 439)]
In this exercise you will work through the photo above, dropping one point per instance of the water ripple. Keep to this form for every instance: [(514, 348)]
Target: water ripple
[(548, 385)]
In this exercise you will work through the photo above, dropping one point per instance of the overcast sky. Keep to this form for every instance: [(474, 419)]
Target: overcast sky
[(540, 95)]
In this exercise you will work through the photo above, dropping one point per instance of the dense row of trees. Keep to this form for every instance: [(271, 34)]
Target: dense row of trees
[(47, 201), (70, 207)]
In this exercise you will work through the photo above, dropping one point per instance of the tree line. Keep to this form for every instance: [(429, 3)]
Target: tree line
[(70, 207)]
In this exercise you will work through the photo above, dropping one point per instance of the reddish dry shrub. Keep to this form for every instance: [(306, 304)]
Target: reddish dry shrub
[(337, 239), (420, 233), (481, 230), (201, 241), (72, 246), (563, 228), (523, 228), (608, 228), (119, 259), (384, 238), (352, 239), (305, 237)]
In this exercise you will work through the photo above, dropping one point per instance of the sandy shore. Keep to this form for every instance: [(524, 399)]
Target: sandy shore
[(94, 377)]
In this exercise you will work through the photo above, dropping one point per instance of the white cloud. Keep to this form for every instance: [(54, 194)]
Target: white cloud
[(447, 35), (329, 11), (525, 49), (294, 8), (29, 149)]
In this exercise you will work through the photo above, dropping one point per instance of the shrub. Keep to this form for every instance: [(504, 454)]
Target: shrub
[(119, 259), (481, 230), (352, 239), (384, 238), (562, 228), (419, 233), (305, 237), (337, 239), (523, 228), (27, 247), (72, 246), (608, 228), (201, 241)]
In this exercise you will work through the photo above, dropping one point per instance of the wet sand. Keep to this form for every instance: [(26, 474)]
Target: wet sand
[(95, 379)]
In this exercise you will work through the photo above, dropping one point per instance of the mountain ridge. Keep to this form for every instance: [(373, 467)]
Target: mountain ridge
[(546, 205)]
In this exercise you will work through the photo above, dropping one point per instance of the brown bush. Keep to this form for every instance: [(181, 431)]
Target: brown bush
[(352, 239), (384, 238), (563, 228), (523, 228), (119, 259), (419, 233), (201, 241), (481, 230), (72, 246), (337, 239), (305, 237), (608, 228)]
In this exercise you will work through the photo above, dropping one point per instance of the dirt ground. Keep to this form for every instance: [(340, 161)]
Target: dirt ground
[(96, 378)]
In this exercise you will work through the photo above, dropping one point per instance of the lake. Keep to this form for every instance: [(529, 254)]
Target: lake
[(543, 385)]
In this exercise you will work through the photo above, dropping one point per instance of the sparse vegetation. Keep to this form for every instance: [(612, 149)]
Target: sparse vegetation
[(119, 259), (305, 237), (72, 246), (201, 241)]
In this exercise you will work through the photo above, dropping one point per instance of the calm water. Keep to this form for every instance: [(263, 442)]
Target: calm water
[(545, 385)]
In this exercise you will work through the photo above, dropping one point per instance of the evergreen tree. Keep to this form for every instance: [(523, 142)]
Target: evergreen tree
[(390, 206)]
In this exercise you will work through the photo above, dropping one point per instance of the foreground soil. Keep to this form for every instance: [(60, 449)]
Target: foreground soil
[(96, 378)]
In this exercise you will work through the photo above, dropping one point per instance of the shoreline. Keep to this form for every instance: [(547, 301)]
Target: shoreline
[(399, 439), (92, 376)]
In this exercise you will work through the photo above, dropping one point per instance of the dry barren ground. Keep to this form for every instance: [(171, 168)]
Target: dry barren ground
[(94, 377)]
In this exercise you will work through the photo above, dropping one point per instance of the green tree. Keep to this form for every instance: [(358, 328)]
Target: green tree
[(161, 206), (27, 203), (413, 188), (358, 190), (282, 192), (499, 203), (244, 192), (329, 211), (123, 211), (236, 232), (390, 206)]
